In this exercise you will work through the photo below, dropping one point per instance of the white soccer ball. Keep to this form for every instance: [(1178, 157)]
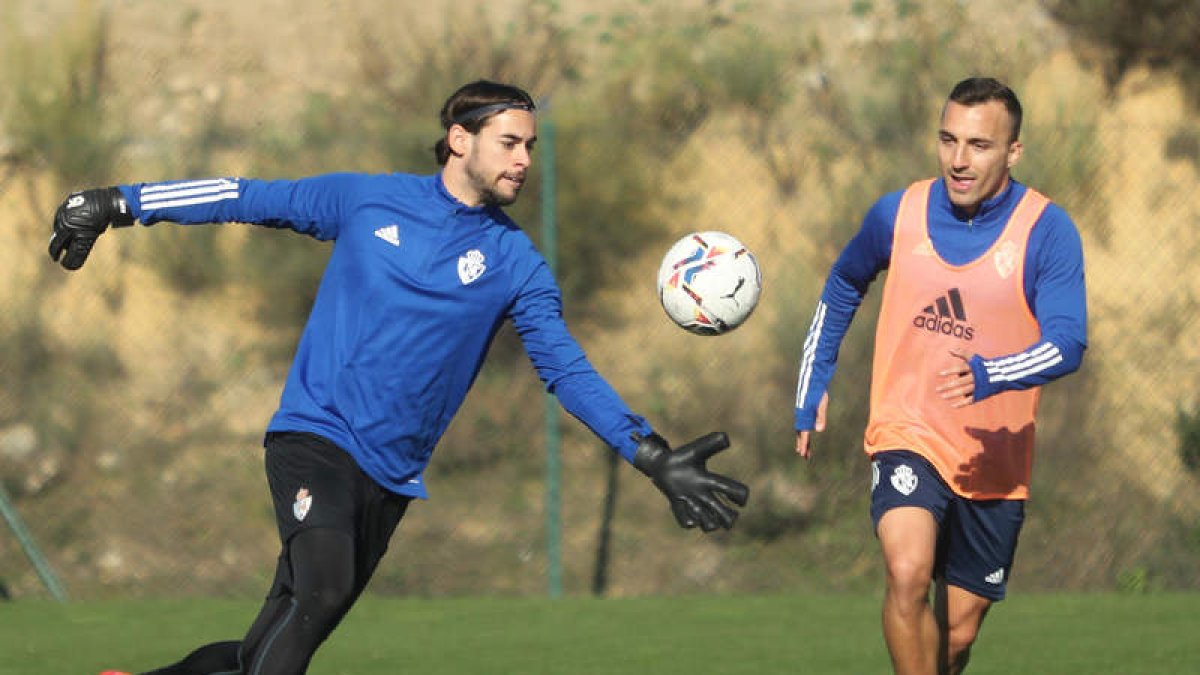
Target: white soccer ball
[(709, 283)]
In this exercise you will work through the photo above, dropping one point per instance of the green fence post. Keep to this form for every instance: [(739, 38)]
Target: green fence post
[(553, 460), (49, 580)]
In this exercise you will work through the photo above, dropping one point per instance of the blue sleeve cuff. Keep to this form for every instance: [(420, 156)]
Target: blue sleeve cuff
[(983, 386), (628, 447), (806, 420), (130, 195)]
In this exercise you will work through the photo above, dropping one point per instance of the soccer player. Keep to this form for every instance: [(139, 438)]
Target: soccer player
[(424, 270), (983, 303)]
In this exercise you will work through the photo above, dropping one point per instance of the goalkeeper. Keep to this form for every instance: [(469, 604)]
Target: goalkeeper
[(423, 272)]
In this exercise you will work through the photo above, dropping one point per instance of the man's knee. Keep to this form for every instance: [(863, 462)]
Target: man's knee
[(961, 614), (961, 636), (328, 602), (908, 577), (908, 537), (324, 574)]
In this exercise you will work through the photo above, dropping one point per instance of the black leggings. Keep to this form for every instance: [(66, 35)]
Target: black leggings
[(331, 548), (316, 583), (297, 618)]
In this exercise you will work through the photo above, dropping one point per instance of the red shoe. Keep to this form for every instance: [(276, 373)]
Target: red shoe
[(114, 672)]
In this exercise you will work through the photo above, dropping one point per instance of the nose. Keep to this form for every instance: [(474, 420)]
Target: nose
[(959, 159), (522, 157)]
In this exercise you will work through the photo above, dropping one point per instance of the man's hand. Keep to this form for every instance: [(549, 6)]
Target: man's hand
[(804, 438), (697, 496), (958, 382), (83, 217)]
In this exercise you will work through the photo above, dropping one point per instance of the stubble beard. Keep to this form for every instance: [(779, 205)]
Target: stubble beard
[(489, 195)]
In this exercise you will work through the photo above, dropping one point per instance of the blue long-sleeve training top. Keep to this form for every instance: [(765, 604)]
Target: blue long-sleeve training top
[(1054, 290), (415, 290)]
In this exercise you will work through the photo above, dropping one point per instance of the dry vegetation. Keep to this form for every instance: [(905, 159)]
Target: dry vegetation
[(134, 457)]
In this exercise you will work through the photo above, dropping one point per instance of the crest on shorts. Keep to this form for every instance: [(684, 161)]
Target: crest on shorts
[(904, 480), (303, 504)]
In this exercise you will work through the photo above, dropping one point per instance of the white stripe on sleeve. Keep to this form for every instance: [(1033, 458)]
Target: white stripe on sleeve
[(809, 355), (188, 193), (1031, 362)]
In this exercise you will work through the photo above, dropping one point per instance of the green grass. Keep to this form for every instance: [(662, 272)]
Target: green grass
[(1044, 634)]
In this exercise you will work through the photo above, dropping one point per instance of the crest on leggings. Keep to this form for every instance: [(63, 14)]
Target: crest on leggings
[(302, 505)]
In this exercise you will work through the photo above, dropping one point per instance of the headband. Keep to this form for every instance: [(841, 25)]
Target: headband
[(482, 111)]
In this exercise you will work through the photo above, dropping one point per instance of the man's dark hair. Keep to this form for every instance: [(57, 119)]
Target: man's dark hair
[(976, 90), (474, 104)]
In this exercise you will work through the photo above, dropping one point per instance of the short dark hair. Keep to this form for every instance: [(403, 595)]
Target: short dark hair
[(976, 90), (474, 104)]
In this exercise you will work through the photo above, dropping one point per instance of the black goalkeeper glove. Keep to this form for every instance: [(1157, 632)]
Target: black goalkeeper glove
[(697, 496), (83, 217)]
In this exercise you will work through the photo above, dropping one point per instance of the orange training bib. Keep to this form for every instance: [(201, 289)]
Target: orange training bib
[(984, 450)]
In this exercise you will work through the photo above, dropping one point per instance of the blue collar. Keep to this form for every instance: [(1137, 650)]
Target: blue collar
[(453, 203), (989, 210)]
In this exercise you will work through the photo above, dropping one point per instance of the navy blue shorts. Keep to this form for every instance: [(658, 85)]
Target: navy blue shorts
[(977, 539)]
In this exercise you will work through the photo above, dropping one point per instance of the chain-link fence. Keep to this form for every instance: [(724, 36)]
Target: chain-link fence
[(136, 390)]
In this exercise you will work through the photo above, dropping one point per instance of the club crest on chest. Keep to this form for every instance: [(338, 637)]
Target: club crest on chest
[(471, 266)]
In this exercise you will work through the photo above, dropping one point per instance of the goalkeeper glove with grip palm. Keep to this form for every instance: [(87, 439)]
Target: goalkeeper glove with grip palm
[(697, 496)]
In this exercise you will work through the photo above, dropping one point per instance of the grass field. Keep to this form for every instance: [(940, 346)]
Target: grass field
[(1036, 634)]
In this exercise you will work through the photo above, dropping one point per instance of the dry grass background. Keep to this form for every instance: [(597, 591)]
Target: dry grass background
[(193, 514)]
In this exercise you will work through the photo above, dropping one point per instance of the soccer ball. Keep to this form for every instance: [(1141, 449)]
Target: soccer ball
[(709, 283)]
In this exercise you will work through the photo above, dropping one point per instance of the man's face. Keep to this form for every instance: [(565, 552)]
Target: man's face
[(976, 152), (496, 158)]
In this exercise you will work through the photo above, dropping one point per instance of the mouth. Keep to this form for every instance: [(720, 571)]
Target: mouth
[(516, 180), (960, 183)]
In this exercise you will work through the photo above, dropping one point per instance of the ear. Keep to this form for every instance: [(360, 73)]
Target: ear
[(1015, 149), (459, 140)]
